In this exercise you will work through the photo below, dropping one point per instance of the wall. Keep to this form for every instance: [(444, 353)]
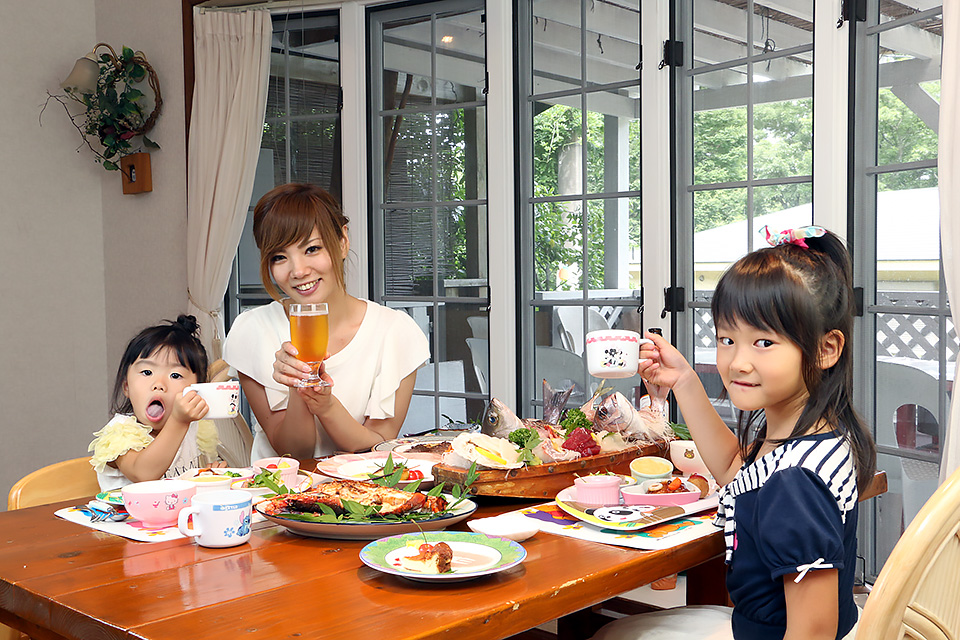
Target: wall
[(84, 267)]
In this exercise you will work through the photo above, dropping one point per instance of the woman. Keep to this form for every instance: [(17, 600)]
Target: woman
[(373, 352)]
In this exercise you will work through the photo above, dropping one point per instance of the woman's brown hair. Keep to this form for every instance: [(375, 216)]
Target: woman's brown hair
[(287, 215)]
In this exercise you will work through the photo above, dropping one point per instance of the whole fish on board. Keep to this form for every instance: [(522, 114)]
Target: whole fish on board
[(611, 411)]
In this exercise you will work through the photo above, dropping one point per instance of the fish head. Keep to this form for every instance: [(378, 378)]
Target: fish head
[(498, 420)]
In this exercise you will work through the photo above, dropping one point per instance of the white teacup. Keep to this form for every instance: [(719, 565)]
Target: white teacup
[(613, 353), (220, 518), (223, 398), (686, 457)]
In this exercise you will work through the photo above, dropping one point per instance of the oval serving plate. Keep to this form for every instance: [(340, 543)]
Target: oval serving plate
[(629, 517), (358, 466), (403, 444), (359, 530), (474, 555)]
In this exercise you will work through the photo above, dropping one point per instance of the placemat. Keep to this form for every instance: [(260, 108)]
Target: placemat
[(554, 520), (130, 528)]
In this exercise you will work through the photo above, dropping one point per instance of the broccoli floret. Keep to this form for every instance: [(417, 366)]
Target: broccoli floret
[(575, 418), (521, 436)]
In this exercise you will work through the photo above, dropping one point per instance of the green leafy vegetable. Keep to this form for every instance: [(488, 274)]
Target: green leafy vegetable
[(526, 439), (270, 480), (681, 431), (575, 418)]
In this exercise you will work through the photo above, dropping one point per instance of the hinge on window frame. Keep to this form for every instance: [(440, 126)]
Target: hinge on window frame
[(852, 10), (672, 54), (674, 300), (858, 302), (340, 101)]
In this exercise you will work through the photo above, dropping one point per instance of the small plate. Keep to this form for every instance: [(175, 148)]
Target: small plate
[(359, 466), (404, 444), (243, 473), (626, 517), (371, 530), (474, 555), (308, 480)]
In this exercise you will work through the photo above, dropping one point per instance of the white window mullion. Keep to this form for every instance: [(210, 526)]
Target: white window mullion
[(501, 205), (655, 169), (830, 89), (353, 127)]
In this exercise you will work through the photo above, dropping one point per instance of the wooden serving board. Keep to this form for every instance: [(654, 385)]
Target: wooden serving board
[(544, 480)]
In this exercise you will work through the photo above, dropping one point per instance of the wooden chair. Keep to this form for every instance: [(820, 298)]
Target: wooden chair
[(916, 594), (68, 480), (236, 439)]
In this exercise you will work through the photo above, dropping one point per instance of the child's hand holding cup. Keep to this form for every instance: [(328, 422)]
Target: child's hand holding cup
[(222, 398), (613, 353)]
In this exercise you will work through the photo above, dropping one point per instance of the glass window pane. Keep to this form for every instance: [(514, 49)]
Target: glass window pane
[(462, 257), (557, 246), (613, 241), (556, 46), (774, 30), (720, 126), (908, 255), (461, 154), (408, 251), (781, 206), (720, 234), (406, 61), (274, 139), (613, 41), (782, 134), (314, 71), (719, 33), (705, 360), (557, 154), (315, 153), (908, 106), (613, 141), (460, 56), (408, 167)]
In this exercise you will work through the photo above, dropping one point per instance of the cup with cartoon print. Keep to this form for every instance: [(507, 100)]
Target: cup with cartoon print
[(219, 518), (222, 398)]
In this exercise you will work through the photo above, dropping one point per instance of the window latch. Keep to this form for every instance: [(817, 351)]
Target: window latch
[(674, 301)]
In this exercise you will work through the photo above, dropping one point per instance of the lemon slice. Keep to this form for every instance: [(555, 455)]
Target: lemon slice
[(486, 453)]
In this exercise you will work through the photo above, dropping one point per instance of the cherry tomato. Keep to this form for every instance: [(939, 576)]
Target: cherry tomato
[(271, 466), (415, 474)]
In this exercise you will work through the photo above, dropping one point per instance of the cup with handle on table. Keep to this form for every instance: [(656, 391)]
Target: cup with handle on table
[(219, 518)]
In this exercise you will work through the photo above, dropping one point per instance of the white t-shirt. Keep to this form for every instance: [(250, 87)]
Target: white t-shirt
[(366, 373)]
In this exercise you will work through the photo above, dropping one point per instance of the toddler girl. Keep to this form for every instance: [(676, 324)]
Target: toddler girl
[(154, 433), (788, 504)]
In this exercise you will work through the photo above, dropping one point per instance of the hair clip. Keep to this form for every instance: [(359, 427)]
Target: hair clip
[(796, 236)]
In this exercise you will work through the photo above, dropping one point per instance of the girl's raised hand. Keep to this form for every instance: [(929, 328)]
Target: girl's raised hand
[(189, 407), (287, 369), (660, 363)]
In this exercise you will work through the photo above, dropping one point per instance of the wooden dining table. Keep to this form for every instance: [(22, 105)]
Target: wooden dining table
[(59, 579)]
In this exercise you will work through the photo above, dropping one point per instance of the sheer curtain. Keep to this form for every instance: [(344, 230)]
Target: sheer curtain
[(949, 182), (232, 66)]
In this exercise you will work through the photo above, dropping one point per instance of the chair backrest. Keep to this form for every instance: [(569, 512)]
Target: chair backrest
[(571, 326), (236, 439), (560, 368), (479, 327), (898, 385), (68, 480), (917, 594), (480, 354)]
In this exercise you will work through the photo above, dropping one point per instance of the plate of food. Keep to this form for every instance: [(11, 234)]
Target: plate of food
[(626, 517), (237, 473), (111, 497), (448, 556), (260, 488), (357, 510), (363, 466), (433, 445)]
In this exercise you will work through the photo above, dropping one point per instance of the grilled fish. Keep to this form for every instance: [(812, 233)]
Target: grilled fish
[(332, 494)]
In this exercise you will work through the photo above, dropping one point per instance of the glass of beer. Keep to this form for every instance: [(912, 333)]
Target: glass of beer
[(309, 332)]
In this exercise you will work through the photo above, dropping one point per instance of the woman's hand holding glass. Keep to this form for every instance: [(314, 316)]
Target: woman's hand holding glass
[(290, 371)]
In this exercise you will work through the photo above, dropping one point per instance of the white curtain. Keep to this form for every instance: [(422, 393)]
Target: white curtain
[(232, 66), (949, 180)]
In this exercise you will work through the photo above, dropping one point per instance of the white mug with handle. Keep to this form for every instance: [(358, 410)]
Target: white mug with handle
[(223, 398), (220, 518)]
